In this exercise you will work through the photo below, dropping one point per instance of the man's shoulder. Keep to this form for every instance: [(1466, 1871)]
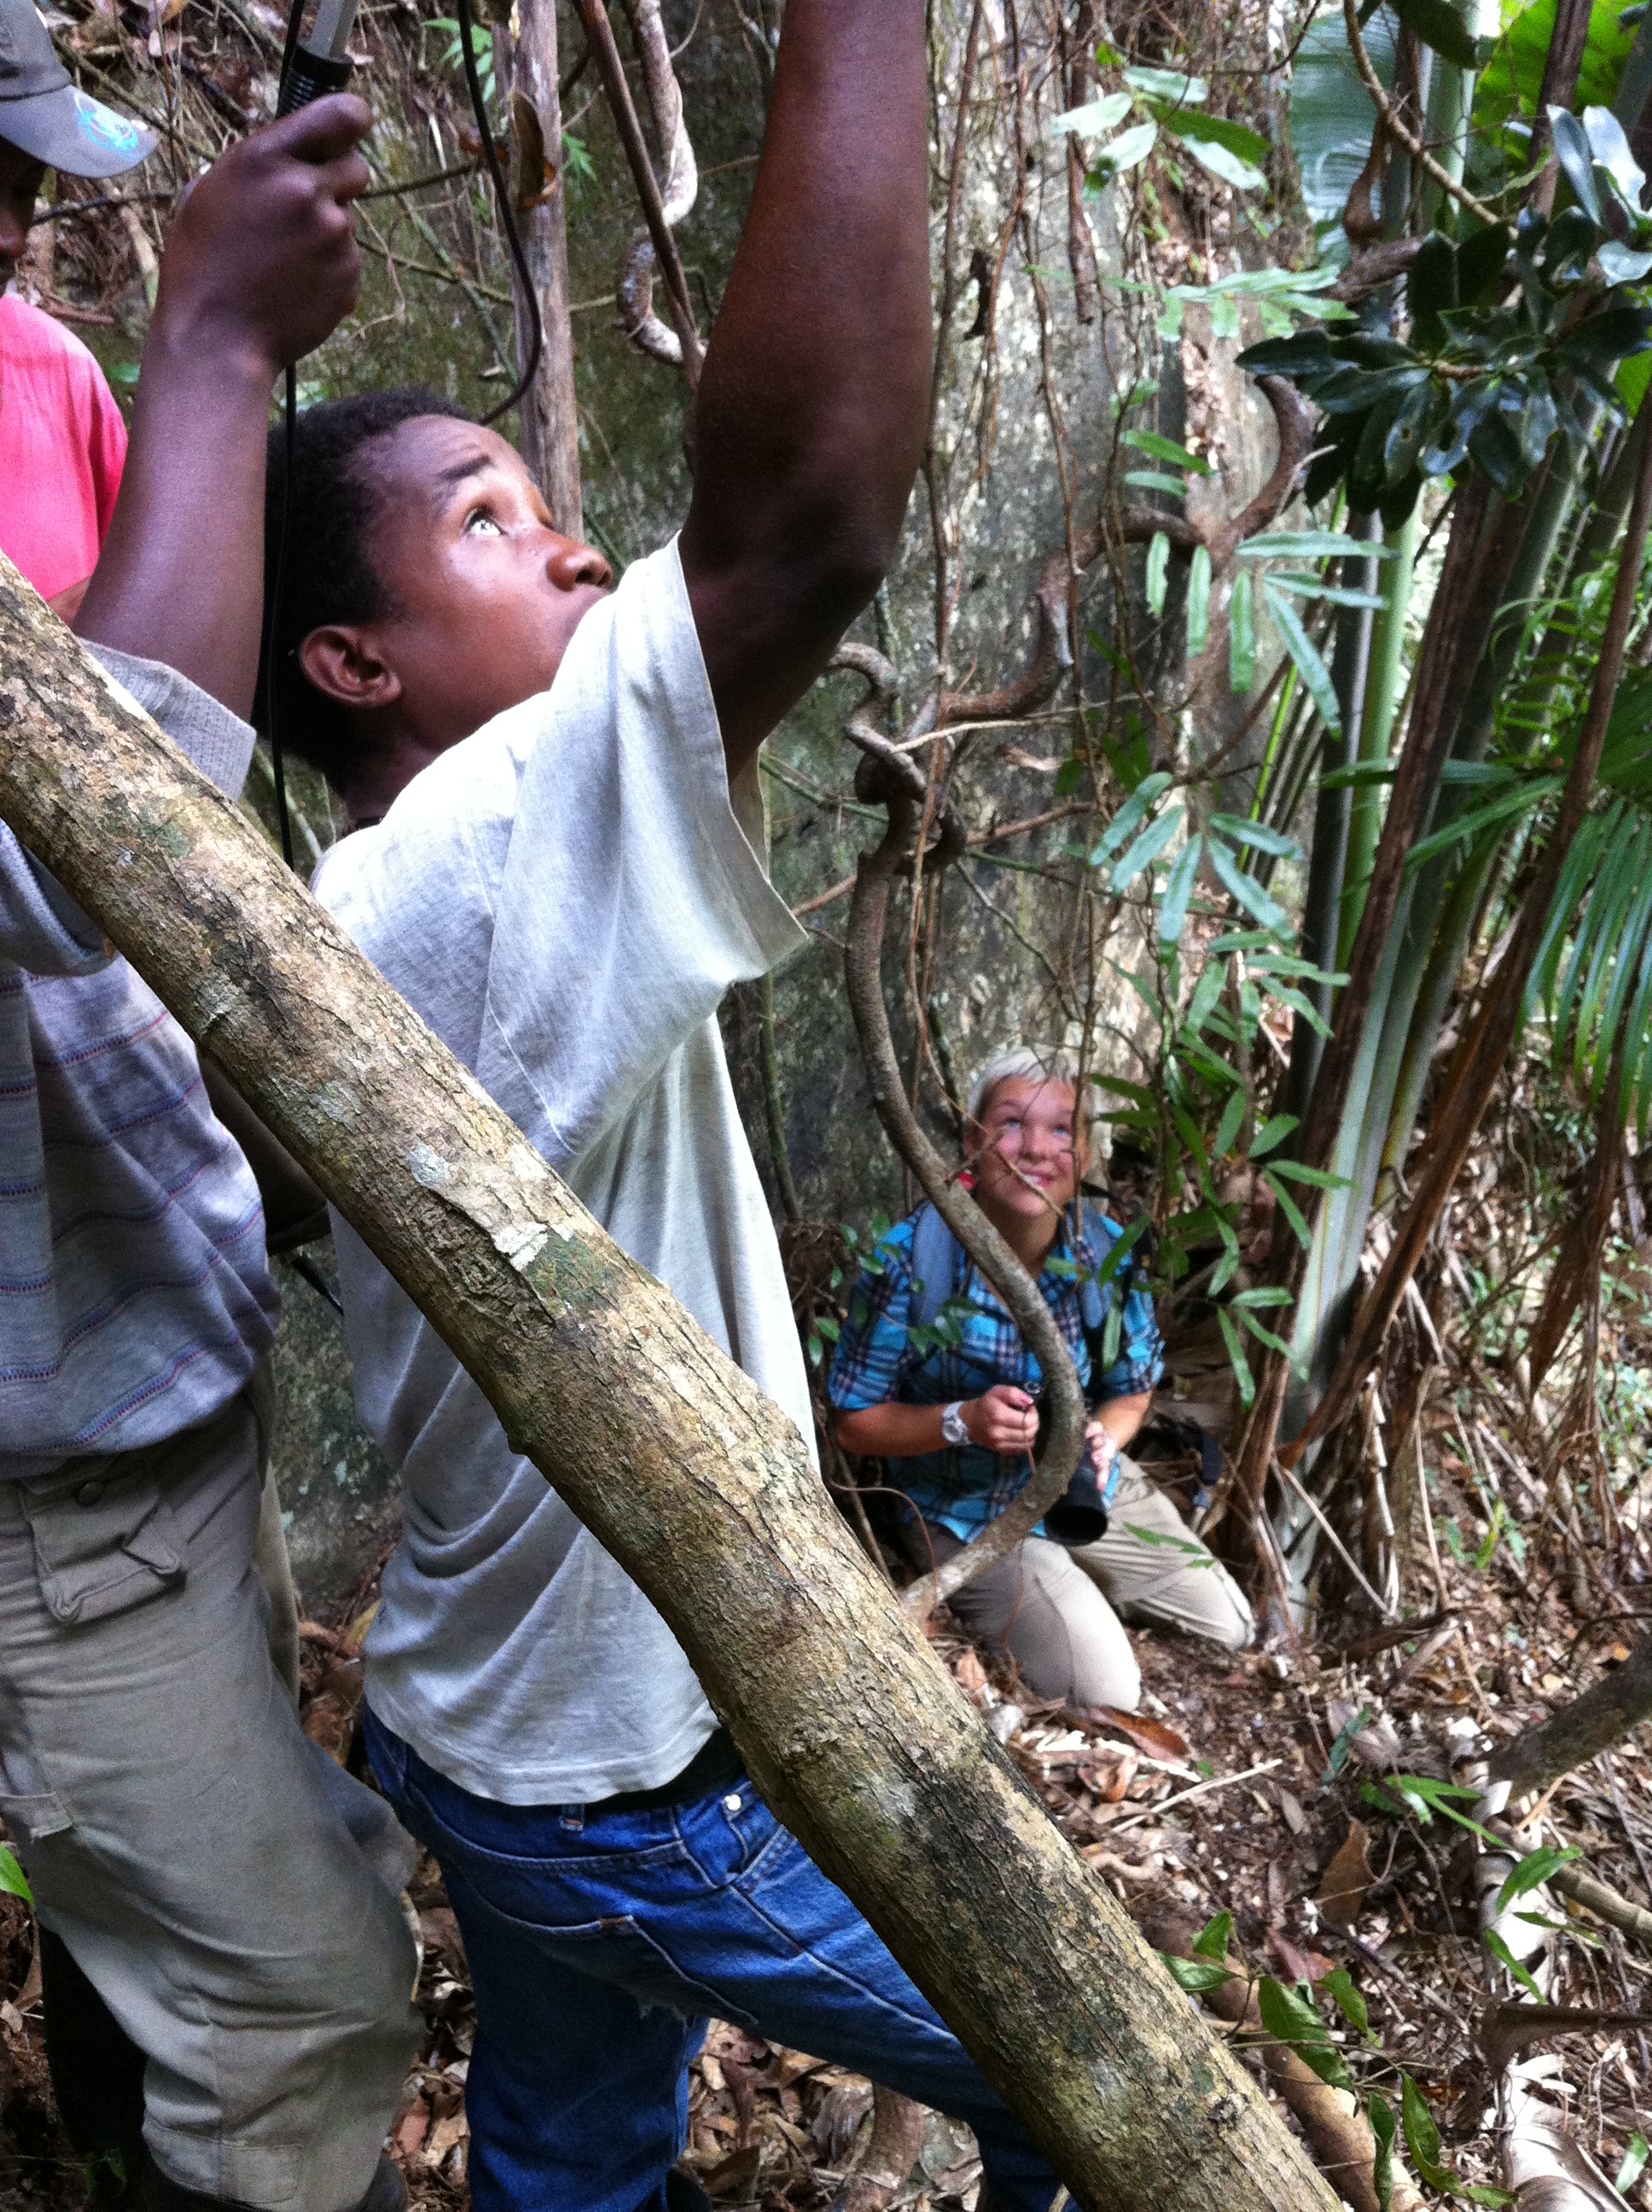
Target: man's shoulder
[(31, 339)]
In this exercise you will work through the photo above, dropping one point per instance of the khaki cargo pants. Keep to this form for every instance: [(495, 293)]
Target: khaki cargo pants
[(228, 1890), (1060, 1614)]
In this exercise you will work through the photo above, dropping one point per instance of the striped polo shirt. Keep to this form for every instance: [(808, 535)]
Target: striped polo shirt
[(135, 1295)]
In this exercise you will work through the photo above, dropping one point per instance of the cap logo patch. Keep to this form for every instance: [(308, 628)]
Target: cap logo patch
[(101, 127)]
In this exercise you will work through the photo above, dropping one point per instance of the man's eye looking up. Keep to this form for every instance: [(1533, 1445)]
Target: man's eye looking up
[(482, 523)]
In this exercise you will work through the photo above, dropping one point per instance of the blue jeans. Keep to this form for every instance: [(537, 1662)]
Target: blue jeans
[(600, 1944)]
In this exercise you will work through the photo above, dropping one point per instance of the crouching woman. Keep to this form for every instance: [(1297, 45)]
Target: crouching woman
[(958, 1420)]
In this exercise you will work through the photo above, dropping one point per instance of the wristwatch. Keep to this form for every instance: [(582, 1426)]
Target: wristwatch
[(953, 1431)]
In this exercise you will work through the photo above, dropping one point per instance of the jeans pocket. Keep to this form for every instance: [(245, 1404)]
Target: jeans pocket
[(619, 1952), (105, 1538)]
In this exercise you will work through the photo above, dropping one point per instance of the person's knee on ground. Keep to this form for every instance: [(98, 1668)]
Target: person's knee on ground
[(1057, 1626)]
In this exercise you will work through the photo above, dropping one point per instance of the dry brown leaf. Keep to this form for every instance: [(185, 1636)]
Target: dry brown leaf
[(1148, 1736), (733, 2173), (1342, 1892)]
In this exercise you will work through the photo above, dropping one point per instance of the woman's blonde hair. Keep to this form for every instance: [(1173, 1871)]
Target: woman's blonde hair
[(1029, 1063)]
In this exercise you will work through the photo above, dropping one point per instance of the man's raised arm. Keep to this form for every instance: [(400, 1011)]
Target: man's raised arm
[(810, 417)]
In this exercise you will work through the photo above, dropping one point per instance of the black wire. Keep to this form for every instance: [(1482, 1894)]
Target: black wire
[(489, 155)]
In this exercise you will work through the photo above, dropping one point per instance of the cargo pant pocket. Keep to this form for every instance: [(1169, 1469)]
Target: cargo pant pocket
[(105, 1539)]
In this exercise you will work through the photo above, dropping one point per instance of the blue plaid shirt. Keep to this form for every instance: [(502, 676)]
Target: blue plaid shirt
[(963, 1487)]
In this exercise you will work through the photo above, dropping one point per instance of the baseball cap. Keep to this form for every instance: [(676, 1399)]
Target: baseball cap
[(44, 115)]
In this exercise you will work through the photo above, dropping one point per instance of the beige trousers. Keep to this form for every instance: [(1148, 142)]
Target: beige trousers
[(1060, 1614)]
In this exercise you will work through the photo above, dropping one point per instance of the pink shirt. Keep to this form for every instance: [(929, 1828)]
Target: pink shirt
[(62, 445)]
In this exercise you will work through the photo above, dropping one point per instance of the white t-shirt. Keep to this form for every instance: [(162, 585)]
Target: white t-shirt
[(565, 897)]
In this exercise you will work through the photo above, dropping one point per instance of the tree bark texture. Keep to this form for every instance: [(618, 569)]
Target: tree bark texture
[(549, 439), (1613, 1709), (669, 1454)]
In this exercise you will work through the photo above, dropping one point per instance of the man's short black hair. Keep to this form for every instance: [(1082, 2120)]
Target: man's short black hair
[(330, 577)]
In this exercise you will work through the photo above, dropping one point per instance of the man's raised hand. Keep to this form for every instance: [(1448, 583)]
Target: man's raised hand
[(263, 250), (261, 262)]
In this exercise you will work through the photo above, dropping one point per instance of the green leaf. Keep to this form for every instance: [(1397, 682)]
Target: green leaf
[(1314, 546), (1146, 848), (1634, 2165), (1437, 24), (1228, 1127), (1196, 1976), (1576, 159), (1422, 2136), (13, 1882), (1211, 155), (1248, 145), (1338, 1986), (1505, 1958), (1155, 480), (1343, 1744), (1320, 1178), (1242, 634), (1166, 449), (1273, 1130), (1532, 1873), (1290, 2018), (1290, 1208), (1245, 888), (1127, 151), (1235, 1342), (1167, 84), (1124, 822), (1246, 832), (1336, 595), (1315, 676), (1158, 572), (1178, 889), (1380, 2112), (1363, 772), (1214, 1938), (1095, 116), (1199, 601)]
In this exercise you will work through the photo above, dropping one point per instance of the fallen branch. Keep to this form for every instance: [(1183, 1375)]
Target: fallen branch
[(1610, 1710), (700, 1488)]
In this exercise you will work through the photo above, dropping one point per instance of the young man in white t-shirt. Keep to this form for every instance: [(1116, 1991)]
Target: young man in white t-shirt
[(556, 860)]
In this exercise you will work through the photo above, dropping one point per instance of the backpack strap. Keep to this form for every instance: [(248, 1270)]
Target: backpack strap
[(935, 1255)]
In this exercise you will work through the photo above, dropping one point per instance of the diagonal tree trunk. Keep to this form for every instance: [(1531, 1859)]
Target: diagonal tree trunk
[(669, 1454)]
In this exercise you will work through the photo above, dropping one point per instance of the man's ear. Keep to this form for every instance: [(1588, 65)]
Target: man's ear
[(344, 665)]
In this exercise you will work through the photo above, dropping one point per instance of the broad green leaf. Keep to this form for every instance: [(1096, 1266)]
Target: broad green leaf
[(1178, 889), (1611, 148), (1214, 1938), (1155, 480), (1199, 601), (1249, 145), (1292, 2020), (1620, 265), (1246, 832), (1146, 848), (1505, 1958), (1422, 2136), (1158, 571), (1245, 888), (1338, 1986), (13, 1882), (1315, 676), (1196, 1976), (1242, 634), (1228, 1127), (1577, 161), (1321, 1179), (1095, 116), (1532, 1873), (1211, 155), (1124, 822), (1380, 2112), (1166, 449), (1128, 150), (1314, 546), (1273, 1130), (1336, 595), (1264, 1294), (1634, 2165), (1167, 84)]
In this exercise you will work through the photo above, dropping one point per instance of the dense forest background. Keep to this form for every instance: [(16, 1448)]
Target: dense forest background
[(1271, 635)]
